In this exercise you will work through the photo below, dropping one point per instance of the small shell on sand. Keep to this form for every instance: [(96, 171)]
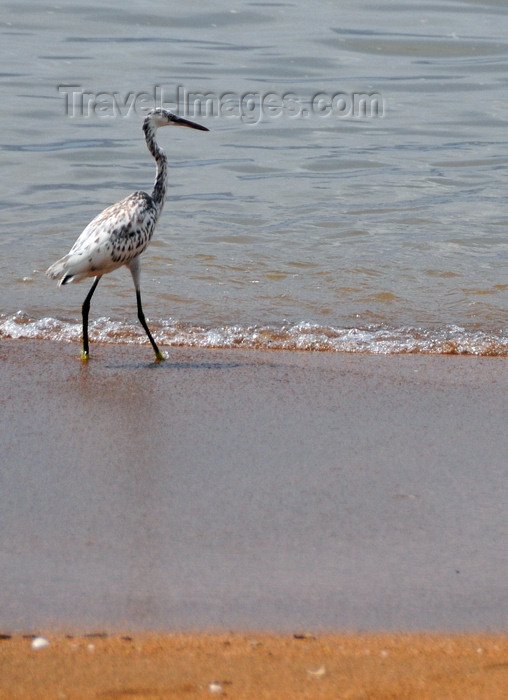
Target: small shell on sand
[(39, 643), (317, 672)]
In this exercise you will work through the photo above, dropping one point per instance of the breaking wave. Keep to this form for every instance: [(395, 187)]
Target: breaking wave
[(303, 336)]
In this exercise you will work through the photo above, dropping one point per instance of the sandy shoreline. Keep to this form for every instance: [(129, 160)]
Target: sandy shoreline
[(254, 666), (298, 493), (244, 490)]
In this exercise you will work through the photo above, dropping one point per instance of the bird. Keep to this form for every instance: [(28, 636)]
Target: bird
[(118, 235)]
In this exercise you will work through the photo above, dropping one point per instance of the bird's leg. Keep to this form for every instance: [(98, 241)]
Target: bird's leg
[(84, 310), (134, 267), (141, 316)]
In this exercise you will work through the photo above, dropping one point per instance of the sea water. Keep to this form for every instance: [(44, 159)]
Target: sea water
[(350, 195)]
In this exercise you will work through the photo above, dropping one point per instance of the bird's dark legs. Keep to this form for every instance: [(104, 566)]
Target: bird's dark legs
[(134, 268), (141, 316), (84, 310)]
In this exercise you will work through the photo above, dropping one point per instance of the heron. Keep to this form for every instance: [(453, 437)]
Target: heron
[(118, 235)]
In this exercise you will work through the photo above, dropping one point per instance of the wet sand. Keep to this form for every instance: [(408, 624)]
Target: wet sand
[(242, 490), (304, 494)]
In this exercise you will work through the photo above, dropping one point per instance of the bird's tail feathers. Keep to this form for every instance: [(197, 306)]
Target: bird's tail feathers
[(63, 269)]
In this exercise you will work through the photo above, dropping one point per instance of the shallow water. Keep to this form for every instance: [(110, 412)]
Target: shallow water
[(291, 228)]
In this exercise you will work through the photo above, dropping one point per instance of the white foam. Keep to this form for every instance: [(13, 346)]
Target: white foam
[(303, 336)]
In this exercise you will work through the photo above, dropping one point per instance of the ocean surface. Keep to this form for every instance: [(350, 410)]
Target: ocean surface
[(350, 195)]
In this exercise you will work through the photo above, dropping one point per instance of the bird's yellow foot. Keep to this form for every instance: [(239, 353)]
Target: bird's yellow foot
[(85, 356), (159, 357)]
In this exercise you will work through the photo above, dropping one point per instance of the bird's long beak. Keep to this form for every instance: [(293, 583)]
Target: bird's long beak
[(180, 121)]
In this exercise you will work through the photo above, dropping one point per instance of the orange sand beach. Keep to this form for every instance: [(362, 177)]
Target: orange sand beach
[(377, 666), (256, 666)]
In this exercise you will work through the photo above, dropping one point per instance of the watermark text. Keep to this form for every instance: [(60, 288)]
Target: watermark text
[(250, 107)]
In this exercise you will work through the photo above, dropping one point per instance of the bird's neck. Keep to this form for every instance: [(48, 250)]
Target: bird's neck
[(161, 177), (161, 181)]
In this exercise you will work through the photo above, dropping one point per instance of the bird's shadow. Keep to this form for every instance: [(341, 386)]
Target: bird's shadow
[(166, 365)]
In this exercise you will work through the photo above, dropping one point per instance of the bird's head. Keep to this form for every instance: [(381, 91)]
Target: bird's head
[(163, 117)]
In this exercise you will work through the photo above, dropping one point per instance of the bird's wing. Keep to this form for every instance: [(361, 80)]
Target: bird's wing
[(113, 238)]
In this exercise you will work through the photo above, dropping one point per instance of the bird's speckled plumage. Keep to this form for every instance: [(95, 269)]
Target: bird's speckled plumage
[(116, 236), (119, 234)]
